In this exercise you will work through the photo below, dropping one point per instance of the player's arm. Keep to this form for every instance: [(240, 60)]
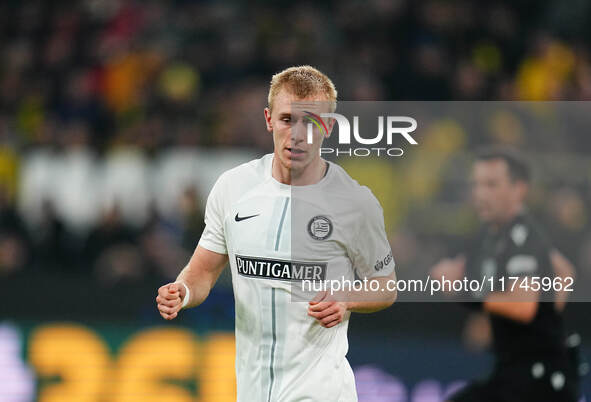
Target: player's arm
[(375, 301), (206, 263), (200, 274), (371, 256), (373, 261), (329, 309)]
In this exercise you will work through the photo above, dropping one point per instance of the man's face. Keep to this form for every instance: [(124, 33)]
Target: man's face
[(495, 195), (288, 121)]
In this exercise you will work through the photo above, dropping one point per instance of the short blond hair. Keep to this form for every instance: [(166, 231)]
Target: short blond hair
[(303, 81)]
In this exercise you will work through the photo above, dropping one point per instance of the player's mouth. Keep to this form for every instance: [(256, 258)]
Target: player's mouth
[(483, 210), (295, 153)]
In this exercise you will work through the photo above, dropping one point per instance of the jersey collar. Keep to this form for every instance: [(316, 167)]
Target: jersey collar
[(269, 175)]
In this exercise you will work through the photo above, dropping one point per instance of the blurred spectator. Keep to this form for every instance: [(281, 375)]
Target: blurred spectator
[(54, 249), (161, 245), (111, 249), (191, 218), (120, 263), (14, 240), (569, 220), (125, 181)]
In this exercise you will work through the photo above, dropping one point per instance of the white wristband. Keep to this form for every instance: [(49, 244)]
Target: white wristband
[(187, 295)]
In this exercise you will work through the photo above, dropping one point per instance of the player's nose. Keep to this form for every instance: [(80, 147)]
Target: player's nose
[(298, 132)]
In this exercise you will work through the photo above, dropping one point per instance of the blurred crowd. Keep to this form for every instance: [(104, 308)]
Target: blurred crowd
[(111, 249), (93, 88)]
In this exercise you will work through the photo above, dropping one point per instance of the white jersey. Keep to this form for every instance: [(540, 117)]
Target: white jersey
[(277, 235)]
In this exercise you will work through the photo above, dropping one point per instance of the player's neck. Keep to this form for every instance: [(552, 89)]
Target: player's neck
[(310, 174), (508, 218)]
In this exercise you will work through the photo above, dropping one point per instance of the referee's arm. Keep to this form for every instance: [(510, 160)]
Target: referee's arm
[(563, 269), (522, 305), (519, 305)]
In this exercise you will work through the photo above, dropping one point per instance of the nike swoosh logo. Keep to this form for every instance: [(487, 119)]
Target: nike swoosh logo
[(241, 218)]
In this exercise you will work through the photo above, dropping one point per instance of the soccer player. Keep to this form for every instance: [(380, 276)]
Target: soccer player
[(531, 357), (287, 350)]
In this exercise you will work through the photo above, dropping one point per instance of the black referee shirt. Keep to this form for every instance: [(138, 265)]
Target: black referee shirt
[(518, 249)]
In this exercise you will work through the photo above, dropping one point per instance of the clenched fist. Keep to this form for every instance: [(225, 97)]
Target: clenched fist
[(170, 300)]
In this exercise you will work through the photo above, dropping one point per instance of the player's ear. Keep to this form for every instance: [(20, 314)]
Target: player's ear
[(268, 120)]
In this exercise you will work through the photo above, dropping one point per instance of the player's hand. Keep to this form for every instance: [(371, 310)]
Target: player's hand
[(327, 311), (452, 268), (170, 300)]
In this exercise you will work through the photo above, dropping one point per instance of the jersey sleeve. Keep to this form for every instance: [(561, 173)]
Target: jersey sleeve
[(370, 250), (213, 237)]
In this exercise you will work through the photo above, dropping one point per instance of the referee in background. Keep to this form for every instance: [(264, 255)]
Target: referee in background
[(532, 359)]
